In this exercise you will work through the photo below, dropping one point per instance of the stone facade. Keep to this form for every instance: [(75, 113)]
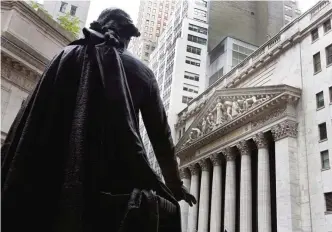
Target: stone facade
[(29, 40), (261, 120)]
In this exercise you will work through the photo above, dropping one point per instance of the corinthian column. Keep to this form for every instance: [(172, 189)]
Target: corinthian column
[(287, 176), (215, 217), (230, 188), (263, 184), (245, 188), (185, 177), (203, 215), (194, 188)]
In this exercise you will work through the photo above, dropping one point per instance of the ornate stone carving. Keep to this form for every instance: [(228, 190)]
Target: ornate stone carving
[(204, 164), (228, 153), (284, 129), (184, 173), (223, 110), (216, 159), (194, 170), (260, 140), (270, 117), (243, 147)]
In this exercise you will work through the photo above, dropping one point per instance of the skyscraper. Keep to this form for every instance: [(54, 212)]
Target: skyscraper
[(152, 20), (179, 62), (251, 21), (237, 28)]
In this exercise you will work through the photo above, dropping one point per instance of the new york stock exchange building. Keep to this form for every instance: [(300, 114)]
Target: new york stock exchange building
[(255, 148)]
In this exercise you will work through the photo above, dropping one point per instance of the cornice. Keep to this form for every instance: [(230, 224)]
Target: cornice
[(40, 19)]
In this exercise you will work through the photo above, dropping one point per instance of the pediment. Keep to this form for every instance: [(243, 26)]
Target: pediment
[(229, 107)]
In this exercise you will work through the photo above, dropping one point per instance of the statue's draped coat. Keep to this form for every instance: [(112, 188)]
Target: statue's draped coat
[(76, 136)]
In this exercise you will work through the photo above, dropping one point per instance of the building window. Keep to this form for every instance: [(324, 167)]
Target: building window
[(320, 100), (324, 155), (327, 25), (196, 39), (193, 61), (147, 46), (73, 10), (330, 92), (186, 100), (193, 89), (328, 51), (201, 3), (146, 54), (199, 12), (322, 131), (314, 34), (194, 50), (317, 64), (328, 201), (63, 7)]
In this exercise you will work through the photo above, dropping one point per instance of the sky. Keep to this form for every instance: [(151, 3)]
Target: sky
[(131, 7)]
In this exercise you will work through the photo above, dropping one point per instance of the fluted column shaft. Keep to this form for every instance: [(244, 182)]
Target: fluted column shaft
[(204, 209), (230, 188), (194, 190), (185, 177), (215, 217), (263, 184), (245, 188), (288, 189)]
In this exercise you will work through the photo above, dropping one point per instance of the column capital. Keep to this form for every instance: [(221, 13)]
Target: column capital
[(260, 140), (228, 153), (215, 159), (194, 170), (184, 173), (284, 129), (243, 147), (204, 164)]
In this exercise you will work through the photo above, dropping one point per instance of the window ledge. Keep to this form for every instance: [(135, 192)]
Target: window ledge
[(315, 40), (317, 72), (325, 33), (323, 140), (328, 212), (325, 169), (329, 65), (322, 107)]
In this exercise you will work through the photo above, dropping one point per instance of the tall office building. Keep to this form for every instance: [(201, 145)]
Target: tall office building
[(152, 20), (237, 28), (78, 9), (179, 61)]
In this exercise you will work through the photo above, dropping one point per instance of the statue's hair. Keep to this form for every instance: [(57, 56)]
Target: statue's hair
[(116, 21)]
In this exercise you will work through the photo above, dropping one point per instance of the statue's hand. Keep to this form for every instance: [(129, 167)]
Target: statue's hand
[(183, 194)]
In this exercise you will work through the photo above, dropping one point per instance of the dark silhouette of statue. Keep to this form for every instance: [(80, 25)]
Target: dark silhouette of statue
[(74, 160)]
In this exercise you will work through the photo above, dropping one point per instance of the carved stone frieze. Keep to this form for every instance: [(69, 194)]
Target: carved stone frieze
[(284, 129), (194, 169), (243, 147), (204, 164), (277, 113), (184, 173), (228, 153), (223, 110), (260, 140), (216, 159)]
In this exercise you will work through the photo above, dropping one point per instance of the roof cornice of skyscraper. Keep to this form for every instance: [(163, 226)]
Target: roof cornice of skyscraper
[(270, 48)]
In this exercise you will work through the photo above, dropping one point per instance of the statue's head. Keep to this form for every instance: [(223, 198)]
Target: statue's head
[(118, 21)]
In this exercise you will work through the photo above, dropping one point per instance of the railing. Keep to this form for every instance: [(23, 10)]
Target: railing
[(273, 41), (318, 7)]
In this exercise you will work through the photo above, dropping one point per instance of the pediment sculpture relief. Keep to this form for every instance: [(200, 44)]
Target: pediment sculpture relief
[(221, 111)]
